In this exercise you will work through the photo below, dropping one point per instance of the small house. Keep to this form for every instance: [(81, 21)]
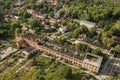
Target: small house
[(87, 23), (63, 29), (29, 50)]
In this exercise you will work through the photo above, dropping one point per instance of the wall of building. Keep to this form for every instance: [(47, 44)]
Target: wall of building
[(89, 67)]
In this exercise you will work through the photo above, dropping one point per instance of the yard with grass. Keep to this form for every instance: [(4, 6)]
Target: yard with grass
[(44, 68)]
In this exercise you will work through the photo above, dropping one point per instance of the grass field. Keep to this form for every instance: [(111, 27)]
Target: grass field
[(43, 68)]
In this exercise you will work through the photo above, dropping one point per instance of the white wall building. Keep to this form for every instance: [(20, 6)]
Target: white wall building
[(87, 24), (28, 51)]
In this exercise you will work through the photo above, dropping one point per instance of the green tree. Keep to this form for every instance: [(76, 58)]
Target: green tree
[(116, 28), (17, 31), (108, 41), (26, 14), (96, 51), (35, 24), (15, 24), (77, 47), (88, 49), (75, 34), (117, 48), (92, 33), (64, 73)]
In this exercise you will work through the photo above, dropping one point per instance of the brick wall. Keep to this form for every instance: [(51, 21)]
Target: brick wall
[(20, 41)]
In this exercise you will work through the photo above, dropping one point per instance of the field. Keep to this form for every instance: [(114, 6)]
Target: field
[(43, 68)]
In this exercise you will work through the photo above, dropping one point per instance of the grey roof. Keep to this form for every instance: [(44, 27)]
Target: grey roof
[(87, 22), (63, 29), (92, 42), (29, 49)]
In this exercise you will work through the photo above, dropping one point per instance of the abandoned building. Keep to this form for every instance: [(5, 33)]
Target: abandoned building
[(29, 50), (91, 62)]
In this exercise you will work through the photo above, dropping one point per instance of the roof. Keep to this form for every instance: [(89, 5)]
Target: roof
[(88, 24), (92, 42), (31, 31), (60, 48), (29, 49), (63, 29), (93, 59), (40, 1), (8, 16), (24, 28)]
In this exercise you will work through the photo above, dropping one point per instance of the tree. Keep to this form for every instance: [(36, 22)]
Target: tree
[(75, 34), (82, 47), (65, 50), (96, 51), (88, 49), (17, 30), (107, 34), (24, 14), (60, 40), (62, 13), (92, 32), (35, 24), (56, 25), (77, 47), (106, 28), (64, 73), (108, 41), (117, 48), (116, 12), (15, 24), (116, 28), (101, 24)]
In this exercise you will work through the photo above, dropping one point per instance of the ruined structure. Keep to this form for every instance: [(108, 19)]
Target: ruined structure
[(96, 45), (93, 66)]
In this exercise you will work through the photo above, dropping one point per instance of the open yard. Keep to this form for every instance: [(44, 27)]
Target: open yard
[(43, 68)]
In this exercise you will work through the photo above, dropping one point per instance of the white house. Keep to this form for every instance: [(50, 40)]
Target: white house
[(28, 51), (40, 1), (31, 31), (87, 23), (63, 29)]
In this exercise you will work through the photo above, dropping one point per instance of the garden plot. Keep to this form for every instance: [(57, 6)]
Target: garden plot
[(4, 53)]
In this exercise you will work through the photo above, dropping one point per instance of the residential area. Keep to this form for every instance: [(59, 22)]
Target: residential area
[(59, 40)]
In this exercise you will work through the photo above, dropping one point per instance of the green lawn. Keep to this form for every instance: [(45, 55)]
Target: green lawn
[(43, 68)]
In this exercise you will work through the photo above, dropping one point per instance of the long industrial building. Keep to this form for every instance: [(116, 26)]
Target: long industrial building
[(90, 62)]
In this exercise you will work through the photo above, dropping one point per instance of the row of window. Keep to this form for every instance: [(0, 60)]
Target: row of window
[(91, 67)]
